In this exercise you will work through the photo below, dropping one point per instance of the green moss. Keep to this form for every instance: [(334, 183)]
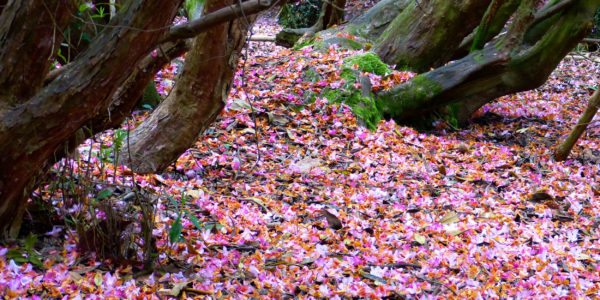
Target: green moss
[(349, 75), (364, 107), (301, 43), (311, 75), (408, 97), (368, 62)]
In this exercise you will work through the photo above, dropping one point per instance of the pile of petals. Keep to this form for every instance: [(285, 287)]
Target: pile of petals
[(294, 199)]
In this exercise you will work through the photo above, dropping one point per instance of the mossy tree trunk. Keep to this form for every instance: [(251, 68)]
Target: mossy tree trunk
[(427, 33), (492, 23), (514, 63)]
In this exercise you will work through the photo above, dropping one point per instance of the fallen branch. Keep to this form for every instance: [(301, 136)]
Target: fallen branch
[(262, 38)]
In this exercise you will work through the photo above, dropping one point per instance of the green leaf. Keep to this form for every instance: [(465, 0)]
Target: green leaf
[(194, 220), (83, 7), (30, 242), (183, 198), (16, 255), (35, 260), (98, 279), (103, 194), (175, 231)]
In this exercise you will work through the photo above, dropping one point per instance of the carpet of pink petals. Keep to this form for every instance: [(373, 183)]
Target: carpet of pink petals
[(441, 214)]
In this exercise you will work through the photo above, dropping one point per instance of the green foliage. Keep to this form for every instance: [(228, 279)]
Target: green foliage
[(111, 154), (176, 229), (302, 14), (596, 30), (151, 98), (193, 8), (451, 115), (27, 253)]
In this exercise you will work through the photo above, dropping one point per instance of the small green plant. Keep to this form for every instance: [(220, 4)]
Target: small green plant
[(111, 153), (302, 14), (27, 253), (176, 229)]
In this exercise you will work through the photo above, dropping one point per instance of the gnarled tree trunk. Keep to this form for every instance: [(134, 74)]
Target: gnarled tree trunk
[(196, 100), (32, 129)]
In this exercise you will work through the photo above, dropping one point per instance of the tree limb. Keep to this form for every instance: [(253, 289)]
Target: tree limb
[(563, 151), (195, 27), (551, 10)]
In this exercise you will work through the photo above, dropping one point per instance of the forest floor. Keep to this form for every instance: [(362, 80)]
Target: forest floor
[(478, 212)]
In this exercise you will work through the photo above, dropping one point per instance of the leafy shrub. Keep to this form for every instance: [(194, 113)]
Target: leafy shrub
[(596, 30), (301, 14)]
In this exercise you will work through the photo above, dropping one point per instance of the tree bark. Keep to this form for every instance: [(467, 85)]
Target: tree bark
[(126, 97), (31, 131), (373, 23), (37, 39), (196, 100), (426, 34), (461, 87), (333, 13), (173, 44), (563, 151), (491, 25)]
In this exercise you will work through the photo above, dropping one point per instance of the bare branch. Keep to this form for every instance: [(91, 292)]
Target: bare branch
[(193, 28)]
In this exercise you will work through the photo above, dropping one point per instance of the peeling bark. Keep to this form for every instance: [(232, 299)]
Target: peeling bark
[(196, 100)]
